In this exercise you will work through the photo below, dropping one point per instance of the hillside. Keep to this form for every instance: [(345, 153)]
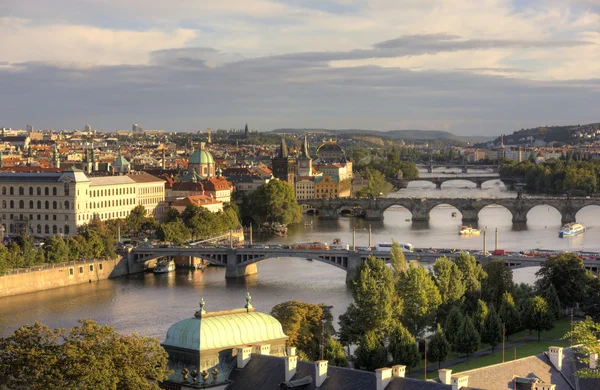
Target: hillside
[(407, 135), (570, 134)]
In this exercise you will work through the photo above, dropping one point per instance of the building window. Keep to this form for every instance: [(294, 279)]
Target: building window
[(46, 217), (47, 205), (3, 204), (67, 205), (54, 217), (54, 229), (21, 204), (47, 228), (39, 204), (100, 267), (30, 191), (80, 270), (31, 204), (39, 190), (3, 190), (67, 229), (54, 205), (12, 191), (21, 191), (66, 217), (46, 191), (12, 204), (67, 189), (91, 268), (54, 191), (70, 271), (39, 228)]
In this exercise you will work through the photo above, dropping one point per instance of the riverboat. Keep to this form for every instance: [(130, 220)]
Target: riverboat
[(468, 230), (571, 229), (312, 246), (164, 267)]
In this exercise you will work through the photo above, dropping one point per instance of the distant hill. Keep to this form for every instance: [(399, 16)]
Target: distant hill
[(409, 135), (570, 134)]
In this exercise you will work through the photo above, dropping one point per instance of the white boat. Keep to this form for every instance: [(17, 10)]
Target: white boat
[(164, 267), (571, 229), (467, 230)]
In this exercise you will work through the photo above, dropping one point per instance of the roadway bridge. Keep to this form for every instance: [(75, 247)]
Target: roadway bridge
[(240, 262), (463, 167), (438, 181), (469, 207)]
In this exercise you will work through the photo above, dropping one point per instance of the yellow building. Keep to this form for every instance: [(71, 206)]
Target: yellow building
[(331, 187)]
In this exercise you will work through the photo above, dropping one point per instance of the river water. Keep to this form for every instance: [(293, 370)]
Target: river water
[(149, 304)]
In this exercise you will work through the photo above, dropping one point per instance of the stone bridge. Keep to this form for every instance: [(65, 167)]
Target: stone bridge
[(463, 167), (438, 181), (468, 207), (240, 262)]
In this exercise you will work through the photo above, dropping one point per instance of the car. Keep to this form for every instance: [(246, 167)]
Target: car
[(258, 246)]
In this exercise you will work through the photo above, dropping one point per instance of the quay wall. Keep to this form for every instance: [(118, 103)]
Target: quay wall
[(61, 275)]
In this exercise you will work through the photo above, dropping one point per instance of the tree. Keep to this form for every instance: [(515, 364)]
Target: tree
[(449, 280), (452, 325), (492, 329), (275, 202), (585, 334), (509, 314), (174, 232), (371, 354), (438, 347), (539, 317), (56, 250), (499, 280), (472, 272), (171, 215), (467, 339), (480, 315), (304, 324), (397, 259), (376, 304), (136, 218), (403, 347), (566, 273), (377, 186), (551, 296), (88, 356), (334, 353), (420, 297)]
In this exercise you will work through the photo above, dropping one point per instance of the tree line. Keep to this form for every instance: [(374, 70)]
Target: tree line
[(570, 175)]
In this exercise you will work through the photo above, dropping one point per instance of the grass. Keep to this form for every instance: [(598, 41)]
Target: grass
[(529, 348)]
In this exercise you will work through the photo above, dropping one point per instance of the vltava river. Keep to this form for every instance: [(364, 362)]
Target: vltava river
[(149, 304)]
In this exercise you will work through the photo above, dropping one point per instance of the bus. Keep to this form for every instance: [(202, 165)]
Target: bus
[(386, 247)]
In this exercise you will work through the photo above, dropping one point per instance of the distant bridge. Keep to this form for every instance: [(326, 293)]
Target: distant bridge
[(463, 167), (468, 207), (438, 181), (240, 262)]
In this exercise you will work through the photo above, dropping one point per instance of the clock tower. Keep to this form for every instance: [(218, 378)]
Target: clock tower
[(304, 161)]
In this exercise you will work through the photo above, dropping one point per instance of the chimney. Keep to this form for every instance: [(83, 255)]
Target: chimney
[(243, 356), (261, 349), (320, 372), (460, 381), (291, 351), (593, 361), (556, 357), (398, 371), (445, 376), (384, 376), (290, 367)]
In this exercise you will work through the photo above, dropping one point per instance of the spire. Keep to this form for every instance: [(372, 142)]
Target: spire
[(283, 151), (201, 311), (248, 304), (305, 147)]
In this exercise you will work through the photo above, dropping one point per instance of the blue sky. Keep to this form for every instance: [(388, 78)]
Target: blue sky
[(469, 67)]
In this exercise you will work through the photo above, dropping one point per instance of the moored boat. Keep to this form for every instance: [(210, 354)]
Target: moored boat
[(571, 229), (165, 266), (467, 230)]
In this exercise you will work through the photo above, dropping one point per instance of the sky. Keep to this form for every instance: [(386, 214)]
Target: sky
[(471, 67)]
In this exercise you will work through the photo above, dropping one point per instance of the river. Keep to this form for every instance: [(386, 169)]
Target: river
[(149, 304)]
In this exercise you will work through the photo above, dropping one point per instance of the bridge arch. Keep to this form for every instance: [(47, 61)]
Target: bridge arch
[(472, 184), (490, 209), (548, 215), (588, 215), (340, 262), (308, 209), (355, 209)]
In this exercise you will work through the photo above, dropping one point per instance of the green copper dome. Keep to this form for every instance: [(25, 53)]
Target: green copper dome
[(201, 156), (224, 331)]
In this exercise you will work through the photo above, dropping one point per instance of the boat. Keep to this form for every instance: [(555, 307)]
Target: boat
[(467, 230), (454, 214), (571, 229), (337, 241), (165, 266), (312, 246)]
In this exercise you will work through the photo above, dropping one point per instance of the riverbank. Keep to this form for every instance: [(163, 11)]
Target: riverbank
[(51, 276)]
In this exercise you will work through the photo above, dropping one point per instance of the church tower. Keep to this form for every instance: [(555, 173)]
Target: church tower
[(304, 161), (284, 166), (246, 131)]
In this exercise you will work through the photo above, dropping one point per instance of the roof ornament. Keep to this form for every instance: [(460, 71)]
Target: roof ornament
[(248, 304), (200, 312)]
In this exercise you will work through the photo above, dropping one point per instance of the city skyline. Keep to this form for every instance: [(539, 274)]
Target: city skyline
[(470, 68)]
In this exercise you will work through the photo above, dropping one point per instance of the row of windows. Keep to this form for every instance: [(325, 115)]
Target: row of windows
[(111, 203), (113, 192), (41, 228), (31, 217), (150, 201), (46, 190), (55, 205), (91, 268), (150, 190)]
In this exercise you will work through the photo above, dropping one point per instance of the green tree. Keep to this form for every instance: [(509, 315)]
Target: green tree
[(499, 280), (539, 317), (566, 273), (449, 280), (492, 329), (56, 250), (473, 273), (174, 232), (136, 219), (420, 297), (304, 323), (397, 259), (438, 347), (334, 353), (275, 202), (172, 215), (480, 315), (370, 354), (376, 304), (467, 339), (88, 356), (377, 186), (585, 334), (403, 347), (551, 296), (509, 314), (452, 325)]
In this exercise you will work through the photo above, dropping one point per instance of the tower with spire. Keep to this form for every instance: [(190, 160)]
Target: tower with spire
[(305, 161), (55, 157), (246, 135), (284, 165)]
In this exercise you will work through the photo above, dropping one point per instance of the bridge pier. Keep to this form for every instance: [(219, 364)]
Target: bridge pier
[(373, 214), (469, 216), (478, 184), (438, 184), (567, 217), (519, 217), (240, 271), (464, 170), (420, 215)]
